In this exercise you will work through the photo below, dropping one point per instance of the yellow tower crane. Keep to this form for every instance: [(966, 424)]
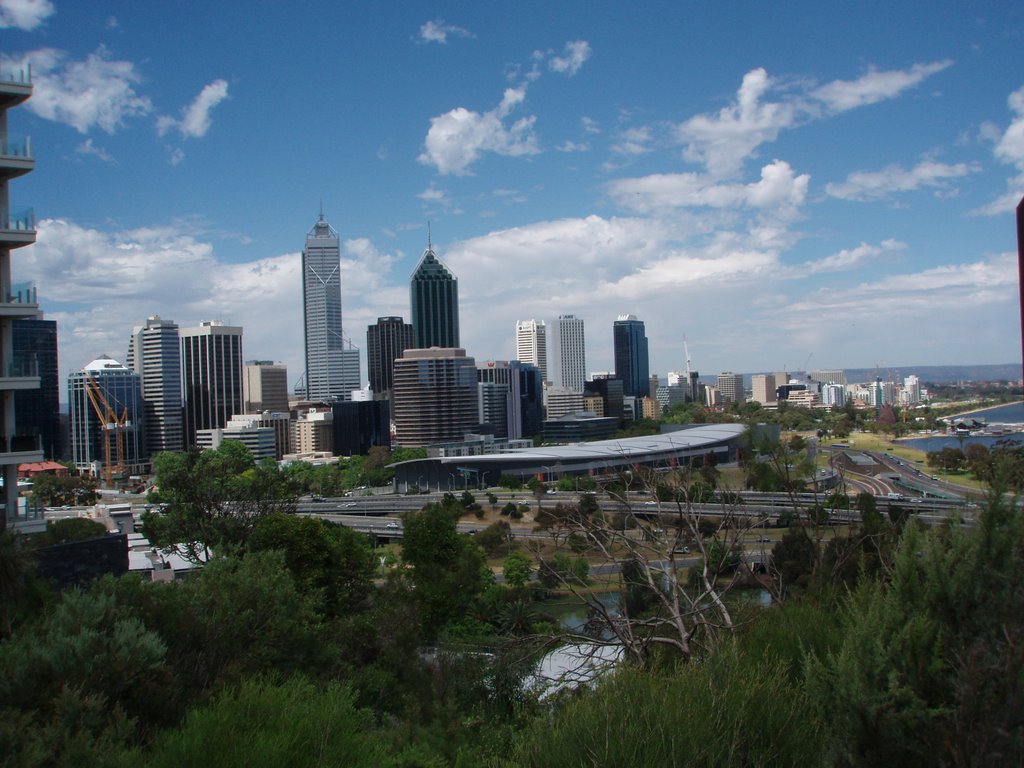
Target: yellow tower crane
[(111, 424)]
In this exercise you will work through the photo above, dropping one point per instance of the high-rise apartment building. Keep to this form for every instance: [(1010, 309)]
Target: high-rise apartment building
[(264, 387), (828, 376), (730, 387), (106, 386), (211, 376), (17, 229), (385, 343), (435, 396), (434, 300), (35, 339), (631, 366), (154, 353), (532, 345), (567, 356), (332, 363), (763, 388)]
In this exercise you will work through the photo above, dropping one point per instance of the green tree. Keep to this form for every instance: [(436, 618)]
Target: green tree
[(448, 570), (16, 567), (214, 499), (331, 562), (518, 569), (512, 482)]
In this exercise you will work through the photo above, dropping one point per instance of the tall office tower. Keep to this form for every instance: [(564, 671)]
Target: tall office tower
[(532, 345), (612, 393), (211, 376), (567, 357), (730, 387), (17, 229), (828, 377), (105, 386), (492, 406), (154, 353), (385, 343), (434, 398), (631, 366), (524, 409), (264, 387), (763, 388), (912, 388), (434, 299), (332, 364), (833, 395), (38, 410)]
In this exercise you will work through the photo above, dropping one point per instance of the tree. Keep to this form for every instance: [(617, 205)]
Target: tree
[(15, 568), (214, 499), (58, 490), (517, 569), (448, 569), (512, 482)]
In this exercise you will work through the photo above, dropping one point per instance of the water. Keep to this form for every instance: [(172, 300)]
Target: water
[(1002, 414)]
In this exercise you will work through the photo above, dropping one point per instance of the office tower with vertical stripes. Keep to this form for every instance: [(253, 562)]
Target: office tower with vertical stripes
[(154, 353), (211, 376), (631, 366), (434, 300), (532, 345)]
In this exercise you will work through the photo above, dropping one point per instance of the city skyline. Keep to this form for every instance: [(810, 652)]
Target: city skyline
[(849, 198)]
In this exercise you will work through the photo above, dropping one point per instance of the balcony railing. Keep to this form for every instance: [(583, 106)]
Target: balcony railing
[(21, 293), (22, 76), (16, 147), (23, 364), (22, 221), (21, 444)]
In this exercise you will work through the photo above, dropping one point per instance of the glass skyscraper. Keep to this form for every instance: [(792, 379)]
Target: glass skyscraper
[(631, 366), (434, 298), (332, 364)]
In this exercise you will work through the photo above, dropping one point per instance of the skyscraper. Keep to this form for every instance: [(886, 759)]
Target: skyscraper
[(567, 356), (211, 376), (17, 229), (730, 386), (35, 339), (332, 363), (435, 396), (631, 365), (385, 343), (434, 299), (154, 353), (118, 438), (264, 387), (532, 345)]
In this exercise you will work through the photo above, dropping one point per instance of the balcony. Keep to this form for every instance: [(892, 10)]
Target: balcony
[(20, 449), (18, 229), (15, 157), (20, 302), (22, 372), (15, 86)]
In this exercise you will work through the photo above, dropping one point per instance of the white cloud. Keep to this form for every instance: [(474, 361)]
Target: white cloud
[(723, 141), (880, 185), (877, 85), (633, 142), (24, 14), (195, 118), (850, 258), (590, 125), (779, 189), (459, 137), (1009, 149), (575, 54), (96, 92), (436, 31), (87, 147), (573, 146), (112, 279)]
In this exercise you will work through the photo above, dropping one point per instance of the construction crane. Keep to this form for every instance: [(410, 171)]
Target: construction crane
[(686, 349), (110, 424)]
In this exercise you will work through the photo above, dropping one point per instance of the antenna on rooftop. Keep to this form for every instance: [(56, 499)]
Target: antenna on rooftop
[(429, 246)]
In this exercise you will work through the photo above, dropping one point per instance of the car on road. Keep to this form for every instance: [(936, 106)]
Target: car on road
[(392, 524), (764, 540), (350, 504), (650, 503)]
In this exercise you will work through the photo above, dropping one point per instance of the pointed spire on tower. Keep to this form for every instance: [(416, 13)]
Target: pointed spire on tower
[(429, 245)]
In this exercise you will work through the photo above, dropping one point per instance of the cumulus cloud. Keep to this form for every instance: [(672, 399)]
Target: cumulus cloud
[(436, 31), (572, 59), (850, 258), (97, 92), (880, 185), (459, 137), (195, 118), (1009, 149), (633, 142), (87, 147), (779, 188), (724, 140), (113, 279), (874, 86), (24, 14)]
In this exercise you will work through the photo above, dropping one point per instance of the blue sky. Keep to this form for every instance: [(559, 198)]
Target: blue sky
[(823, 181)]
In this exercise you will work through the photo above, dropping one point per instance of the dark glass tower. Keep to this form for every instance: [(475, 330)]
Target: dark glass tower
[(39, 409), (434, 298), (631, 366), (385, 343)]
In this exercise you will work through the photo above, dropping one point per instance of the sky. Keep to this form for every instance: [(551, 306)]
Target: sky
[(784, 186)]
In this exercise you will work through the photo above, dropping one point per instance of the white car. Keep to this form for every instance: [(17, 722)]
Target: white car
[(392, 524)]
